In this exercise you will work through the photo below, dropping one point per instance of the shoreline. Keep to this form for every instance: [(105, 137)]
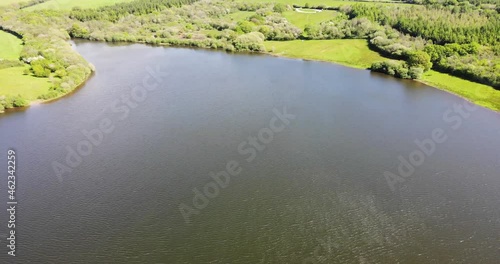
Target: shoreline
[(422, 81), (272, 54)]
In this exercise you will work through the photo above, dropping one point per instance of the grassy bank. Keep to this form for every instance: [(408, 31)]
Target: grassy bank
[(14, 82), (350, 52), (355, 53), (480, 94)]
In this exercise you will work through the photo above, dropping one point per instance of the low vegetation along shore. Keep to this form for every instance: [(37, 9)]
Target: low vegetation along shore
[(449, 44)]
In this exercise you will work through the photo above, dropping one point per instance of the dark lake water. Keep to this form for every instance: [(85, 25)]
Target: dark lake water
[(305, 157)]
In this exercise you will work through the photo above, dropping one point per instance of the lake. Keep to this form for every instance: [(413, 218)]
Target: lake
[(174, 155)]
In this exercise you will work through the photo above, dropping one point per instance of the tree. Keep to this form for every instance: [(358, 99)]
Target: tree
[(245, 26), (279, 8), (419, 59), (252, 41), (19, 101), (40, 71), (312, 31)]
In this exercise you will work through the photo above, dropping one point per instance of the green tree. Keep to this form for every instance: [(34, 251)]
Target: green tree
[(279, 8), (40, 71), (419, 59), (245, 26), (312, 31), (19, 101)]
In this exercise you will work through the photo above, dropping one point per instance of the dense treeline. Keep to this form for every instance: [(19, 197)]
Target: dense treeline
[(115, 12), (464, 44), (439, 24), (202, 24), (471, 61)]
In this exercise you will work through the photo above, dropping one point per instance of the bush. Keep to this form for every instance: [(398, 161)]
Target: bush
[(19, 101), (60, 73), (419, 59), (252, 41), (49, 95), (13, 101), (280, 8), (40, 71), (397, 69), (244, 26), (415, 72)]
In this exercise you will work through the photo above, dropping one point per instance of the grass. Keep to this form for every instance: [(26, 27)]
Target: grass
[(11, 46), (480, 94), (350, 52), (8, 2), (296, 18), (302, 19), (69, 4), (14, 83)]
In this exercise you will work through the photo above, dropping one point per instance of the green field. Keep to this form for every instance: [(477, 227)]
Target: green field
[(8, 2), (302, 19), (15, 83), (480, 94), (11, 46), (350, 52), (68, 4)]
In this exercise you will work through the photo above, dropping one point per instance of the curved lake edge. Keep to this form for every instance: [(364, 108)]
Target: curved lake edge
[(267, 53), (427, 83)]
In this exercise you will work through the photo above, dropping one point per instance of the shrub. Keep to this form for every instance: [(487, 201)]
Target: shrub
[(14, 101), (419, 59), (60, 73), (19, 101), (280, 8), (49, 95), (244, 26), (415, 72), (252, 41), (40, 71), (397, 69)]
